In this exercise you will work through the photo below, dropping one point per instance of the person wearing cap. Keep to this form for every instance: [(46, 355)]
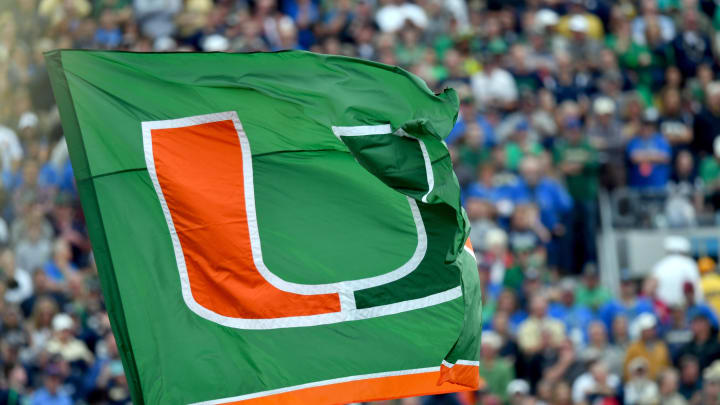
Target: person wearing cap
[(704, 344), (707, 122), (710, 393), (673, 270), (52, 392), (647, 346), (668, 383), (496, 371), (591, 293), (640, 390), (710, 174), (520, 144), (65, 343), (649, 155), (517, 392), (578, 161), (710, 282), (591, 25), (566, 309)]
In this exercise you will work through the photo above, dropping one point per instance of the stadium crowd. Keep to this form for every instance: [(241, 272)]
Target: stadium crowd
[(560, 99)]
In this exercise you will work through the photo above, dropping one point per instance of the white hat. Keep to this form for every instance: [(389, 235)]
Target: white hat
[(638, 363), (716, 146), (645, 321), (545, 18), (677, 244), (164, 44), (28, 120), (215, 43), (518, 387), (495, 237), (578, 23), (62, 321), (603, 105), (491, 339)]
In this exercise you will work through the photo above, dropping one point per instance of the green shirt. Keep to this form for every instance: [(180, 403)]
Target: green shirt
[(592, 298), (514, 154), (497, 377), (582, 186), (709, 170)]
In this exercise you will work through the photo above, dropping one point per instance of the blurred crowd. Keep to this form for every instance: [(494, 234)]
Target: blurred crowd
[(560, 101)]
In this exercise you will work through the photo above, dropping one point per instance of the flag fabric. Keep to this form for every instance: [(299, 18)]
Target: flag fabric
[(272, 228)]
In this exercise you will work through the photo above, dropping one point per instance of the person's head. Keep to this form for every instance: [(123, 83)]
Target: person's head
[(518, 390), (604, 109), (591, 277), (567, 292), (649, 122), (673, 77), (684, 164), (62, 251), (668, 382), (706, 265), (538, 306), (597, 333), (562, 394), (671, 101), (599, 371), (638, 368), (53, 379), (63, 325), (531, 170), (711, 383), (700, 326), (646, 325), (628, 287), (507, 301), (43, 312), (620, 329), (712, 92), (689, 369), (490, 343), (573, 130)]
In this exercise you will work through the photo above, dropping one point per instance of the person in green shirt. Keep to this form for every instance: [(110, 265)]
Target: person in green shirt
[(590, 293), (710, 174), (578, 161), (520, 146), (495, 371)]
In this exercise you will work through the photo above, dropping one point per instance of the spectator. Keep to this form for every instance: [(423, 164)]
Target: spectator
[(530, 332), (597, 384), (599, 347), (710, 174), (578, 161), (649, 155), (628, 304), (704, 345), (707, 121), (647, 346), (640, 389), (591, 293), (710, 282), (52, 392), (497, 372), (668, 388), (674, 270)]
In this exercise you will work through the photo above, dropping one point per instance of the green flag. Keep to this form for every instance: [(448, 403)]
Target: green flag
[(272, 228)]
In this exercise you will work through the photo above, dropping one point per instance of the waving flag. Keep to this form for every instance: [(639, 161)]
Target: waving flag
[(272, 228)]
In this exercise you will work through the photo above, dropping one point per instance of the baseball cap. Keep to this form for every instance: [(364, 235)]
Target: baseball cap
[(603, 106), (651, 115), (578, 23), (706, 264), (62, 321), (679, 244), (518, 387), (27, 120), (645, 321)]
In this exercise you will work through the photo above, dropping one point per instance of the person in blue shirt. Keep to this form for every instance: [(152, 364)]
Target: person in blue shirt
[(577, 318), (468, 114), (51, 393), (649, 155), (554, 204), (628, 304)]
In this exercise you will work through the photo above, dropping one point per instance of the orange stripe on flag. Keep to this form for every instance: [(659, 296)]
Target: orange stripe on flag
[(462, 374), (371, 389)]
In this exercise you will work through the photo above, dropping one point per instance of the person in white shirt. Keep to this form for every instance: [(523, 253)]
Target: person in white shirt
[(393, 15), (494, 86), (674, 270), (10, 149), (597, 382)]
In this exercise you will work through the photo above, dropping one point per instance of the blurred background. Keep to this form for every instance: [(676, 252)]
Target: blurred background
[(587, 148)]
